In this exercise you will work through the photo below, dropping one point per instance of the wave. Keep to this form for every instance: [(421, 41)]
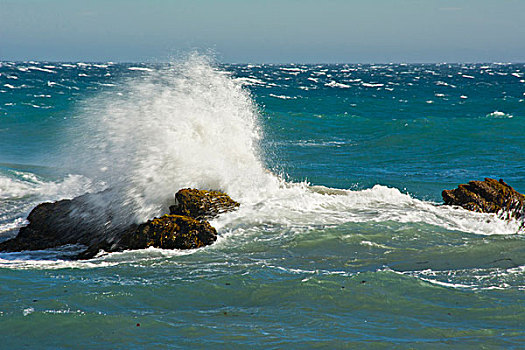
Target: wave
[(185, 125), (191, 124), (300, 207)]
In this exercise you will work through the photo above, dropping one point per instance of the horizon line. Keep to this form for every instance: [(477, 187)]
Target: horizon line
[(263, 63)]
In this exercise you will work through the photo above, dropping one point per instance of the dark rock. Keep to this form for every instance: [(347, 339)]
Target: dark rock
[(167, 232), (88, 220), (489, 196), (82, 220), (201, 204), (171, 232)]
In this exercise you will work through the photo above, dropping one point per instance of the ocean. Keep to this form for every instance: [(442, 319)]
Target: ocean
[(340, 241)]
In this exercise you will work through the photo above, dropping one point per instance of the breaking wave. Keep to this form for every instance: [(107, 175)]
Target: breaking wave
[(190, 124)]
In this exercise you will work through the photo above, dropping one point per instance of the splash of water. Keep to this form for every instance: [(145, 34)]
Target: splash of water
[(186, 125), (191, 125)]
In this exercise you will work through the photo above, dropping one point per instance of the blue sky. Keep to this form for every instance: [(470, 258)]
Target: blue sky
[(301, 31)]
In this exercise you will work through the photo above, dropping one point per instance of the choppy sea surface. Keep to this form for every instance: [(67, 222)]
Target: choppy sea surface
[(340, 240)]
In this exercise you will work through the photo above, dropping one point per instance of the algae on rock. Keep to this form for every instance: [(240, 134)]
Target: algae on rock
[(202, 204), (82, 221), (489, 196)]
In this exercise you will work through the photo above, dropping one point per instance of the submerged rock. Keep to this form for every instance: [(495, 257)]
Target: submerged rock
[(89, 221), (489, 196), (202, 204)]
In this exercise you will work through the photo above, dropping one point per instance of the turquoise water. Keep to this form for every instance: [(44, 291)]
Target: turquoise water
[(340, 240)]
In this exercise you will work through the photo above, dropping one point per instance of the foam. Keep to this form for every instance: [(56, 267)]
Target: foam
[(193, 125), (282, 97), (187, 125), (250, 81), (299, 206), (491, 278), (42, 69), (21, 191), (144, 69), (499, 114), (335, 84)]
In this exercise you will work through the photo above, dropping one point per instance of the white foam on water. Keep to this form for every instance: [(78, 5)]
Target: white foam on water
[(21, 191), (187, 125), (57, 258), (283, 97), (372, 85), (192, 125), (474, 278), (299, 206), (23, 184), (250, 81), (335, 84), (12, 225), (500, 115), (42, 69), (144, 69)]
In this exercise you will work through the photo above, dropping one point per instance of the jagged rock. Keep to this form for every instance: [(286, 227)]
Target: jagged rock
[(489, 196), (172, 232), (201, 204), (167, 232), (88, 220), (81, 220)]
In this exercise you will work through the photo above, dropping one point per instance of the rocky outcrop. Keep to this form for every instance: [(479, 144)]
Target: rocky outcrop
[(201, 204), (167, 232), (171, 232), (86, 220), (489, 196), (82, 220)]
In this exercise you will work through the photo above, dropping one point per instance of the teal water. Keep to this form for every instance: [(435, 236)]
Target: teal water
[(340, 241)]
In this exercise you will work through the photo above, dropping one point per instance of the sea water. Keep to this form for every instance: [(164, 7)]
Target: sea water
[(340, 241)]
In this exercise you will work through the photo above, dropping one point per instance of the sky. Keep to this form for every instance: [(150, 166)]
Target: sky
[(264, 31)]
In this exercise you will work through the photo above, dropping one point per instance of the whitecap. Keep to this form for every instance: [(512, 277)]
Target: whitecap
[(283, 97), (144, 69), (498, 114), (42, 69), (372, 85), (250, 81), (334, 84)]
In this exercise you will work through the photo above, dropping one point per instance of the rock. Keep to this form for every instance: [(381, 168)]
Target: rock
[(171, 232), (87, 220), (81, 221), (489, 196), (201, 204), (167, 232)]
